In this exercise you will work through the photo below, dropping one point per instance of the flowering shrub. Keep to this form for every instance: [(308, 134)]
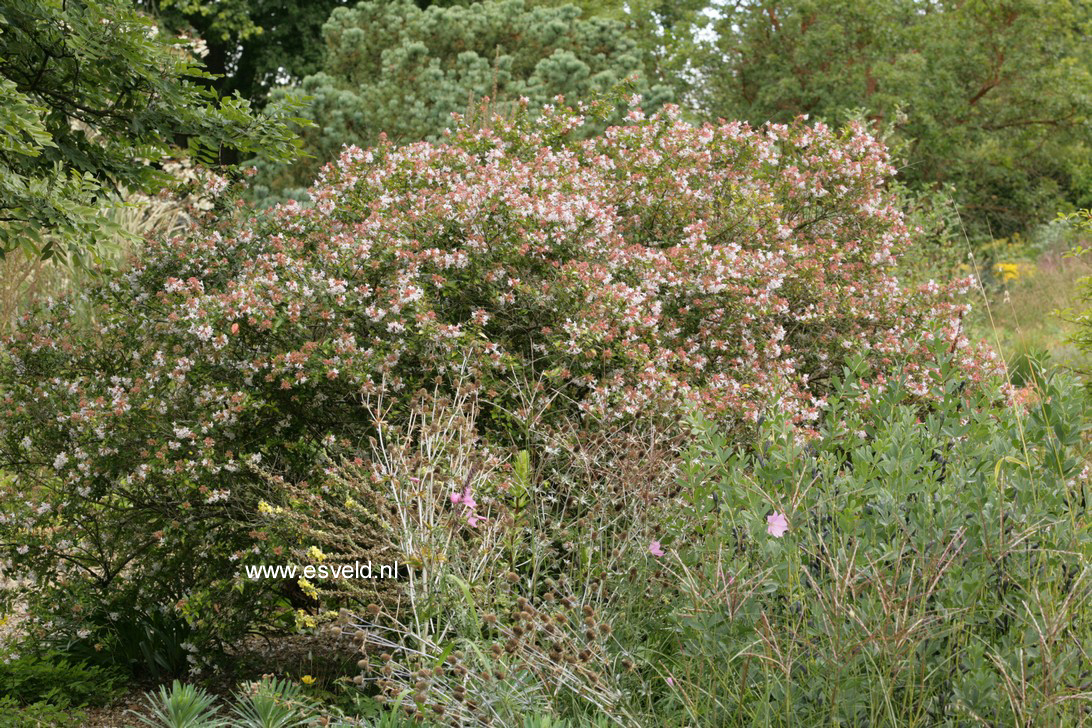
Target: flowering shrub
[(655, 267)]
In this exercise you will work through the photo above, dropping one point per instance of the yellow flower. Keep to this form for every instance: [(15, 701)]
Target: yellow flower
[(266, 509), (316, 554), (304, 620), (307, 680), (308, 588), (1014, 271)]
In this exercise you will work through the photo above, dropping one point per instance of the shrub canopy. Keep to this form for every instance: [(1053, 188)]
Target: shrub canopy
[(657, 267)]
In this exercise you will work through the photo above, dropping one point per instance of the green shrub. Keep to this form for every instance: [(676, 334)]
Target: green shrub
[(38, 715), (59, 680), (597, 281)]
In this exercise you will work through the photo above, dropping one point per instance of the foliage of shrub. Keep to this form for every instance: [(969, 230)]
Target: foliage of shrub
[(653, 268), (56, 679), (13, 715), (93, 101)]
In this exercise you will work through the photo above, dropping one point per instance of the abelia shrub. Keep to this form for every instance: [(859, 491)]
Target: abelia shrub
[(655, 267)]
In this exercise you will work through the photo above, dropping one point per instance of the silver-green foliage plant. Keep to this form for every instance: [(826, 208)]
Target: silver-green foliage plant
[(272, 703), (182, 706), (913, 564)]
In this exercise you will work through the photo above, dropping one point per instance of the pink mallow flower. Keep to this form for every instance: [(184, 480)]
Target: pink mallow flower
[(466, 498), (777, 524), (655, 549)]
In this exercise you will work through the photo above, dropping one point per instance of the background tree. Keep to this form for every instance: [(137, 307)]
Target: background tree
[(91, 98), (252, 45), (992, 96), (666, 32), (394, 68)]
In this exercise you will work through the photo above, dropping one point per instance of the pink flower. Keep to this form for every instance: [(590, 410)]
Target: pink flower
[(468, 500), (670, 681), (777, 524), (655, 549)]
